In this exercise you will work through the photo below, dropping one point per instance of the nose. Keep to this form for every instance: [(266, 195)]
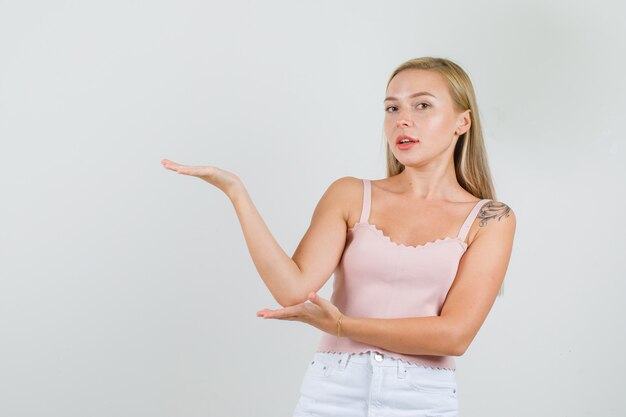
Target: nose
[(403, 119), (402, 122)]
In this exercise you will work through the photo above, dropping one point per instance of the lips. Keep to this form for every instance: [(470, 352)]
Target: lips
[(401, 137)]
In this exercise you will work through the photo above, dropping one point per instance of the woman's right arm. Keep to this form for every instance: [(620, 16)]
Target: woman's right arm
[(289, 280)]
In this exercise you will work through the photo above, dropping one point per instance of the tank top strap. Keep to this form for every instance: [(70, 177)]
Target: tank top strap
[(470, 219), (367, 201)]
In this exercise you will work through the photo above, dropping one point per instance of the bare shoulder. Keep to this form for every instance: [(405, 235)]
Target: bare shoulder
[(347, 183), (346, 188), (497, 220), (496, 212), (344, 194)]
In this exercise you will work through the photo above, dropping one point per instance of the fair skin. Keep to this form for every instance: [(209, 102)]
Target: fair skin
[(421, 204)]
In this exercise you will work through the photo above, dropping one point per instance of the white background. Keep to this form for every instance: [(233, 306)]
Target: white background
[(127, 290)]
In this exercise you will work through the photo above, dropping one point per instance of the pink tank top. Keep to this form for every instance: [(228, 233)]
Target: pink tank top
[(378, 278)]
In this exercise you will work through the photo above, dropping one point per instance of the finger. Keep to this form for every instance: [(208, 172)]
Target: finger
[(192, 170), (184, 169), (172, 166), (316, 299), (292, 311), (168, 164), (265, 312), (195, 171), (290, 318)]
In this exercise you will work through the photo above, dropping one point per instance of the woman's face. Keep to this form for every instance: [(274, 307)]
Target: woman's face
[(431, 120)]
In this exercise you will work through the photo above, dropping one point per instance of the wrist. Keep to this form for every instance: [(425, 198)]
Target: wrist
[(236, 191), (343, 325), (338, 325)]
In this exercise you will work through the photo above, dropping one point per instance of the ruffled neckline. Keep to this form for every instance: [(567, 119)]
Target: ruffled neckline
[(387, 239)]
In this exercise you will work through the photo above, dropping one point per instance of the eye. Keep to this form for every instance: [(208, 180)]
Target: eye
[(394, 107)]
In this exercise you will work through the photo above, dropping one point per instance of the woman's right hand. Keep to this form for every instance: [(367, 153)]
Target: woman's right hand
[(224, 180)]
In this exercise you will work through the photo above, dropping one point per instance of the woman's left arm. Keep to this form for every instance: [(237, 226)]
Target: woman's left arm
[(470, 298)]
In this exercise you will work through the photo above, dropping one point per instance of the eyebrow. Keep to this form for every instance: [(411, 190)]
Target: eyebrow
[(421, 93)]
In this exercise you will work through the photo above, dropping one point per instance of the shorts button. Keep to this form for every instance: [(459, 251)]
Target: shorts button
[(378, 357)]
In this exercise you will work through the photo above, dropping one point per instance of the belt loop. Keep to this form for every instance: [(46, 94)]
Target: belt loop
[(401, 369), (343, 361)]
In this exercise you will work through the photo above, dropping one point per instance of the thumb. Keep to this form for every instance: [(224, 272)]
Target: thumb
[(314, 298)]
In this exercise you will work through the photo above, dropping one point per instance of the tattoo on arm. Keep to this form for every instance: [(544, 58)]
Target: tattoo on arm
[(492, 210)]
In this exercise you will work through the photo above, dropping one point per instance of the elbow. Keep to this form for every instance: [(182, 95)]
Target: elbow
[(297, 295), (284, 301), (288, 300), (289, 296), (460, 345), (459, 349), (458, 341), (294, 292)]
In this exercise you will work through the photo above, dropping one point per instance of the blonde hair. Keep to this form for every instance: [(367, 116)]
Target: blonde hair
[(470, 156)]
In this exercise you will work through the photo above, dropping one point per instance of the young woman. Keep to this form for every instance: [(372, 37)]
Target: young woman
[(418, 257)]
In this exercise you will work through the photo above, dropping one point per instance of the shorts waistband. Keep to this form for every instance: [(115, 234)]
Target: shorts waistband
[(374, 358)]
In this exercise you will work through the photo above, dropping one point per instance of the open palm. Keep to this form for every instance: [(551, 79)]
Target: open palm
[(224, 180), (316, 311)]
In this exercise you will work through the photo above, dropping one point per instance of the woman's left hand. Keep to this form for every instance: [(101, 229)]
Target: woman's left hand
[(319, 313)]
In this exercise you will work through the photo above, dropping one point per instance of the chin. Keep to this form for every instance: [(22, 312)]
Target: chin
[(413, 163)]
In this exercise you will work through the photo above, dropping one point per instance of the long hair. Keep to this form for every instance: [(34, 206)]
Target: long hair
[(470, 156)]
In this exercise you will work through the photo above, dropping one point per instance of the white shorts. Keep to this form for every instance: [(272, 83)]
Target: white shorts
[(372, 384)]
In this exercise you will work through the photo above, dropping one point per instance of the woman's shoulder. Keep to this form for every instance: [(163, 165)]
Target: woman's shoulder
[(355, 186), (345, 189), (496, 218), (497, 210), (345, 195), (347, 183)]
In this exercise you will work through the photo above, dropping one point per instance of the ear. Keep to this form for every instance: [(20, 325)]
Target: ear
[(465, 122)]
